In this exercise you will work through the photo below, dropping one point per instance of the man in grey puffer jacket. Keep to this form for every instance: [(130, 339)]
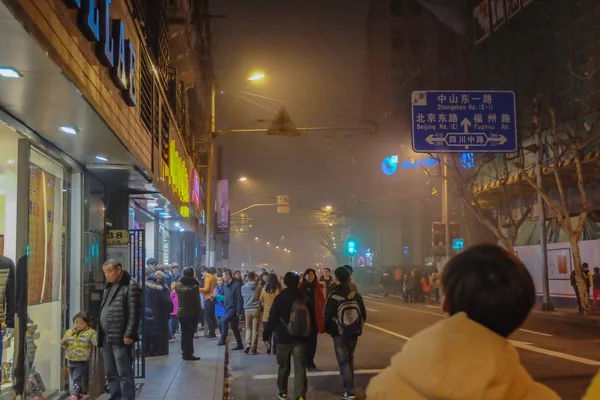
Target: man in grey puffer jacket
[(251, 294)]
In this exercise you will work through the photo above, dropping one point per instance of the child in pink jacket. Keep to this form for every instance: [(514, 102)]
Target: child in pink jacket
[(174, 323)]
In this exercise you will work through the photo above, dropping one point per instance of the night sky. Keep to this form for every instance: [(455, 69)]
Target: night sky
[(314, 55)]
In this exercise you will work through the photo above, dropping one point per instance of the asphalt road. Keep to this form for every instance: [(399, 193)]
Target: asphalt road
[(561, 355)]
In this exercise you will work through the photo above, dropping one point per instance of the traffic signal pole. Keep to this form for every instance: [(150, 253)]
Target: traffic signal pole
[(445, 216)]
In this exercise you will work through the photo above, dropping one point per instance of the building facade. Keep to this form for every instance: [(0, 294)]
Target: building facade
[(98, 159)]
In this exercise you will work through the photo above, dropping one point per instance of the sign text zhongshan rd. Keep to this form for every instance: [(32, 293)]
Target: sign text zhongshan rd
[(112, 50), (465, 121)]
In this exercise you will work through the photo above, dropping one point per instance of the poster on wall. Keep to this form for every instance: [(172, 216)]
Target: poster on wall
[(483, 26), (42, 197), (559, 263)]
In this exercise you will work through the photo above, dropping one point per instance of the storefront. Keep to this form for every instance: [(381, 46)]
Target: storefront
[(36, 200)]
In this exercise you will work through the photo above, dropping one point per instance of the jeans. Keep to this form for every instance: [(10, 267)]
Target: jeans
[(118, 365), (188, 324), (344, 352), (210, 317), (231, 318), (284, 352), (311, 347), (78, 370), (252, 325), (173, 322)]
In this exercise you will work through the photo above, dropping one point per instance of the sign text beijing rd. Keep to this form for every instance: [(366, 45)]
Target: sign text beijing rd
[(112, 50)]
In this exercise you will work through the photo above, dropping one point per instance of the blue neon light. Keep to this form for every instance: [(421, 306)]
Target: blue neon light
[(389, 166)]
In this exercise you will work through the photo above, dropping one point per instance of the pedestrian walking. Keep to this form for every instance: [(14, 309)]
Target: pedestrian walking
[(467, 356), (157, 314), (345, 314), (409, 287), (435, 284), (267, 297), (386, 283), (188, 294), (210, 283), (234, 308), (173, 273), (596, 286), (174, 322), (326, 281), (398, 280), (426, 287), (251, 294), (78, 343), (290, 320), (120, 315), (316, 303)]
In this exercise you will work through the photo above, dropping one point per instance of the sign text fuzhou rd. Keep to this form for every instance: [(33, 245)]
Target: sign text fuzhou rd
[(465, 121)]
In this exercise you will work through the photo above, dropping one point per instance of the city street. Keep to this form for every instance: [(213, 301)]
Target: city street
[(561, 355)]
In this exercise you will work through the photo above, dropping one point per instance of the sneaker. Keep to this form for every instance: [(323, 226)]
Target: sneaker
[(171, 340), (282, 396), (192, 358), (247, 349), (211, 337), (238, 347), (269, 349), (311, 366), (348, 396), (220, 343)]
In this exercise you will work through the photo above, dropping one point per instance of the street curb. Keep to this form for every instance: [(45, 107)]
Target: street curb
[(222, 362), (572, 319)]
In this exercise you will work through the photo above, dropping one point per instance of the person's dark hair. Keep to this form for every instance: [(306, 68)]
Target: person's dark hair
[(251, 276), (585, 265), (151, 261), (86, 318), (237, 271), (491, 285), (342, 275), (327, 268), (272, 284), (213, 270), (219, 271), (349, 268), (188, 271), (264, 275), (304, 281), (205, 270), (291, 280), (114, 264), (227, 272), (597, 270)]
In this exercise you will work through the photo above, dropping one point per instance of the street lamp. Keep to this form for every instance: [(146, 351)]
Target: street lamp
[(268, 243), (243, 179), (256, 238), (257, 77), (328, 208)]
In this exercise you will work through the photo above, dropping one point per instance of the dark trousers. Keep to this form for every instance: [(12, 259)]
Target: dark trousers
[(311, 347), (284, 353), (210, 317), (188, 324), (271, 340), (118, 365), (173, 322), (344, 352), (78, 370), (231, 318), (150, 344)]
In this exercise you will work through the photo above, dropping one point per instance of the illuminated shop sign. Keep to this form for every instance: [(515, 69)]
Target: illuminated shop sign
[(196, 190), (112, 50), (177, 175)]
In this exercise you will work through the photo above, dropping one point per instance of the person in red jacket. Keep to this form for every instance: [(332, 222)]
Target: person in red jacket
[(316, 303)]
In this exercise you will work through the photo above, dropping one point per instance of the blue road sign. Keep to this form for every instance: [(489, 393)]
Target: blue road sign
[(465, 121)]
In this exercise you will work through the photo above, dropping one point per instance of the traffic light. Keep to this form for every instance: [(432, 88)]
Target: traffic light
[(351, 247)]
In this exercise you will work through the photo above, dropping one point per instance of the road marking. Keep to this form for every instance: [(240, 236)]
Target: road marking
[(396, 296), (442, 315), (371, 309), (564, 356), (321, 373), (535, 333), (388, 332), (373, 295)]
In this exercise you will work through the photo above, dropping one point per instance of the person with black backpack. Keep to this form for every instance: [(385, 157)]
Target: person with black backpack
[(345, 315), (290, 318)]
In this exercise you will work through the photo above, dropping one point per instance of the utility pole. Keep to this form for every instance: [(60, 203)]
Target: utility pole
[(541, 210), (445, 216), (209, 183)]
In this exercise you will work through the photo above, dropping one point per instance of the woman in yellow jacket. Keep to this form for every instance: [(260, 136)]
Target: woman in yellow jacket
[(267, 296), (467, 355)]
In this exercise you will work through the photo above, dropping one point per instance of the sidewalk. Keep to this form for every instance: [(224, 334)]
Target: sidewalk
[(170, 377), (569, 315)]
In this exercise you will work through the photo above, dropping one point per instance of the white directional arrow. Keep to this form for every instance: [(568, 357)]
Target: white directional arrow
[(431, 139), (500, 139), (465, 123)]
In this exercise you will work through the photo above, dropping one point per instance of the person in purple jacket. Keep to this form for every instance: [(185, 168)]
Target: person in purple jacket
[(174, 322)]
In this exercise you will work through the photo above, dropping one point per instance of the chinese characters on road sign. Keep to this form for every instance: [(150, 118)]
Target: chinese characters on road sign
[(474, 121)]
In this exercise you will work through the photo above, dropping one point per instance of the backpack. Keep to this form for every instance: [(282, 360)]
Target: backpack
[(348, 318), (299, 324)]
